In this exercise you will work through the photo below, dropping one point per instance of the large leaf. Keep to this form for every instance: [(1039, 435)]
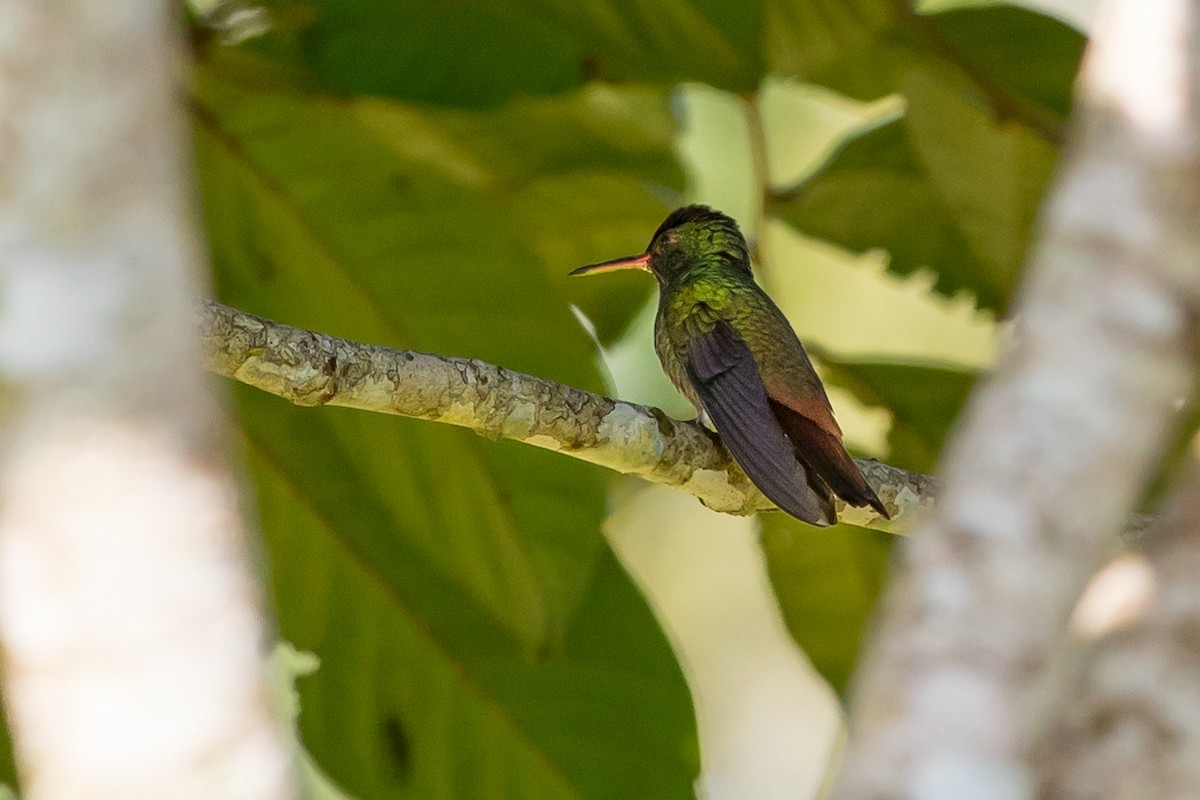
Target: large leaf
[(945, 187), (956, 183), (924, 400), (483, 52), (991, 174), (857, 47), (1015, 58), (827, 581), (476, 637), (874, 192), (1028, 57), (546, 184), (428, 688)]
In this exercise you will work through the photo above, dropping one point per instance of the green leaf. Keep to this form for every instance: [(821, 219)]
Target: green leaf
[(873, 192), (857, 47), (827, 581), (924, 401), (956, 183), (945, 187), (8, 768), (482, 52), (456, 683), (991, 175), (1031, 56), (865, 49), (475, 635), (709, 41), (543, 185)]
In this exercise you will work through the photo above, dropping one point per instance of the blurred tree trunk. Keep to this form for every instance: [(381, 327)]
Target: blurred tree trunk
[(1053, 454), (129, 614), (1129, 725)]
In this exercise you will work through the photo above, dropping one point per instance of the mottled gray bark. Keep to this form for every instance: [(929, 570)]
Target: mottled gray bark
[(130, 623), (1129, 724), (314, 369), (1057, 445)]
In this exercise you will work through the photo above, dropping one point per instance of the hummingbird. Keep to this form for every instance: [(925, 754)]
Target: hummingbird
[(729, 349)]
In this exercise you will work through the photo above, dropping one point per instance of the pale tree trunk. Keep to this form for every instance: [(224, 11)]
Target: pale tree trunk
[(1129, 724), (1057, 445), (129, 612)]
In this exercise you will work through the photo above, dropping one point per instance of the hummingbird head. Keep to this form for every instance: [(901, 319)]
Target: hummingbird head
[(693, 237)]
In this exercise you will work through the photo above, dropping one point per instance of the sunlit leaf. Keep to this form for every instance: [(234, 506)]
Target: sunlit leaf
[(956, 183), (874, 192), (475, 635), (944, 187)]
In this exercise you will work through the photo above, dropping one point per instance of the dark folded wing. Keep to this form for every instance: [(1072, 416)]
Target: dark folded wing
[(731, 390)]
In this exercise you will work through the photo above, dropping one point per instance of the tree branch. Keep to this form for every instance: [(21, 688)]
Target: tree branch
[(314, 369)]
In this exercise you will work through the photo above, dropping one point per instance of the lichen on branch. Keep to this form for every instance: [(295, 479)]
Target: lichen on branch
[(314, 369)]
